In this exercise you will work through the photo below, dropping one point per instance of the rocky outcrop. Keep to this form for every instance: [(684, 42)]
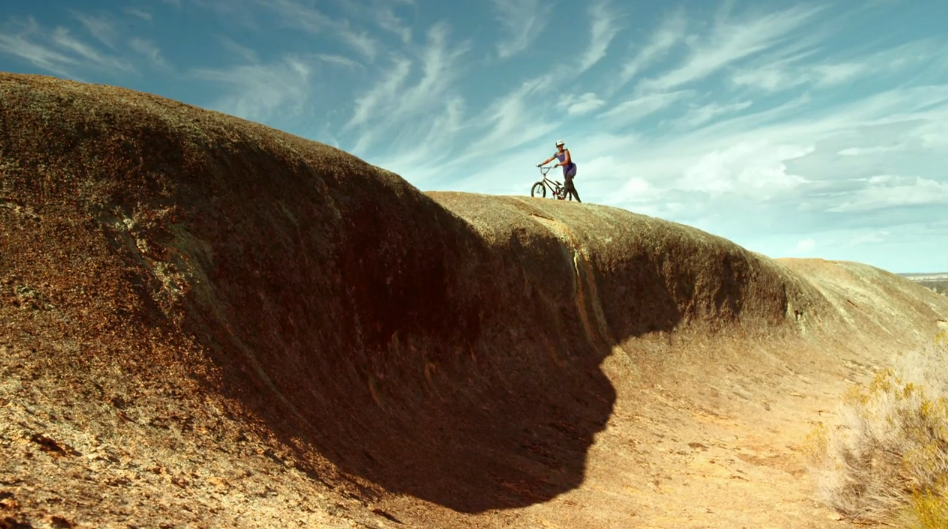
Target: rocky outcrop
[(189, 300)]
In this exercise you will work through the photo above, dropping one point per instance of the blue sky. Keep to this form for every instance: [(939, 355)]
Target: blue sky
[(795, 129)]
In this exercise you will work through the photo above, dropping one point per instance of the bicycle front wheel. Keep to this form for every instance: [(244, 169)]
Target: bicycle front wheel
[(538, 190)]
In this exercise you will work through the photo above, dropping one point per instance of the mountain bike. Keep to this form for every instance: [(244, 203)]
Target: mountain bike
[(539, 188)]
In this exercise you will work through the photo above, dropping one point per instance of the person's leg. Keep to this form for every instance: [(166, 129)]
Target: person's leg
[(572, 189)]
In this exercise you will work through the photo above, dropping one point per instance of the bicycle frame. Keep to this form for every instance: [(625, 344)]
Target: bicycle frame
[(555, 187)]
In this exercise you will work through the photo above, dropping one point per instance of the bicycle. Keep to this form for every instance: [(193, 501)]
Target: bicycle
[(539, 188)]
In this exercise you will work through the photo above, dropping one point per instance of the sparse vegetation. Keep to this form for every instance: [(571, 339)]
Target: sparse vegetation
[(938, 286), (886, 460)]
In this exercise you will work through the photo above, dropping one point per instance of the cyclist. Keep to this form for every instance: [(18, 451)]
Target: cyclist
[(569, 169)]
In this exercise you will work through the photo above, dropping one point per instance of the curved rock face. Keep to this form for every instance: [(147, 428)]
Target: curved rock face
[(443, 346)]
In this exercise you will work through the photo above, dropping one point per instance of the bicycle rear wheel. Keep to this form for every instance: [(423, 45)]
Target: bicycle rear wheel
[(538, 190)]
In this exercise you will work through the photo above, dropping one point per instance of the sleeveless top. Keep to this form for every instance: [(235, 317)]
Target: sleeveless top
[(568, 167)]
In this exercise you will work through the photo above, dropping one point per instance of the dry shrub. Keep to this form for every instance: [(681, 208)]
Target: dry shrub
[(886, 459)]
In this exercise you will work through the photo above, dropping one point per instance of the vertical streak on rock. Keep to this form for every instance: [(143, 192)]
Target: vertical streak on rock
[(585, 292)]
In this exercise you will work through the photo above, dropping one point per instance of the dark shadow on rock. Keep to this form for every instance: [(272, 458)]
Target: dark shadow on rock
[(356, 314), (348, 311)]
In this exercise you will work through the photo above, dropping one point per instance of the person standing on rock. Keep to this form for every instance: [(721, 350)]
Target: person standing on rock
[(569, 169)]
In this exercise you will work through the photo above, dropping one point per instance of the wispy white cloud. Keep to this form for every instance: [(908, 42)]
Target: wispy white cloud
[(513, 119), (387, 15), (419, 146), (699, 115), (150, 50), (872, 237), (641, 106), (507, 122), (64, 39), (889, 191), (868, 151), (259, 92), (101, 27), (578, 105), (144, 15), (733, 40), (338, 60), (58, 51), (782, 161), (392, 102), (303, 16), (751, 168), (523, 21), (368, 103), (439, 70), (769, 79), (821, 75), (793, 71), (386, 19), (22, 46), (670, 33), (241, 51), (805, 246), (360, 41), (603, 29)]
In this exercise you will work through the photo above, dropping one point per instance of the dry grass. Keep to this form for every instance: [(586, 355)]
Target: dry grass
[(886, 460)]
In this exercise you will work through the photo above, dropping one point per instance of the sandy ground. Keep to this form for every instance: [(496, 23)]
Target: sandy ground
[(715, 436)]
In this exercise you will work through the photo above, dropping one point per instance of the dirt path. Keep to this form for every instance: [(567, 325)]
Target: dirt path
[(713, 435), (719, 442), (720, 447), (680, 464)]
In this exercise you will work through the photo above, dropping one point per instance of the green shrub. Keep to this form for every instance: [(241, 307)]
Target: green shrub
[(886, 459)]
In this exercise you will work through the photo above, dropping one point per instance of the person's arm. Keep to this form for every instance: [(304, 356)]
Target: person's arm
[(548, 160)]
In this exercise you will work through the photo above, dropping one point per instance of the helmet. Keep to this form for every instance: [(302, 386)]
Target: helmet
[(560, 143)]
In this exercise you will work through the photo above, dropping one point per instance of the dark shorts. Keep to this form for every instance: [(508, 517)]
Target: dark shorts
[(569, 173)]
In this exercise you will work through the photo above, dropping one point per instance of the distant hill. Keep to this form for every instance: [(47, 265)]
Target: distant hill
[(936, 281), (922, 277)]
